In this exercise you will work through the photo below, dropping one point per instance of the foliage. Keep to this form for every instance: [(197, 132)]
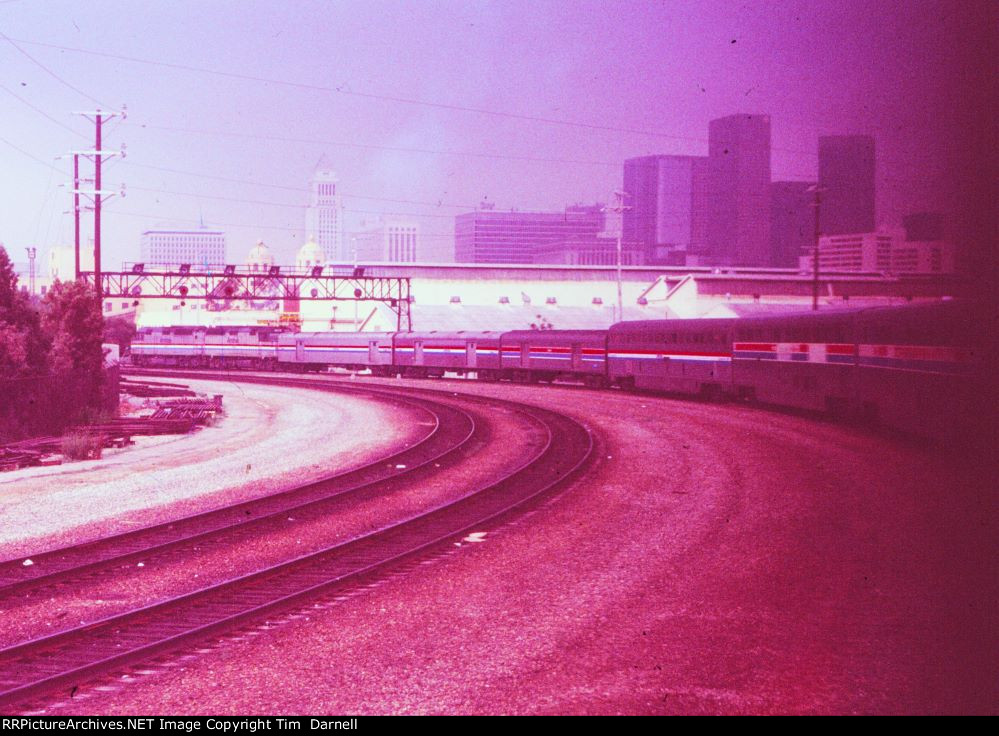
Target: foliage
[(8, 282), (119, 330), (13, 351), (82, 445), (22, 344), (72, 317), (51, 359)]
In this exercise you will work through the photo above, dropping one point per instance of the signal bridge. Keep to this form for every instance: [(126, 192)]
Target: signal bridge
[(228, 283)]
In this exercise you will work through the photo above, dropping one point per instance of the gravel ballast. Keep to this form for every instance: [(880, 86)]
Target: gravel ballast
[(269, 437), (717, 559), (156, 578)]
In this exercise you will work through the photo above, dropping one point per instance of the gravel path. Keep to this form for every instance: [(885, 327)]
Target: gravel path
[(270, 436), (718, 559)]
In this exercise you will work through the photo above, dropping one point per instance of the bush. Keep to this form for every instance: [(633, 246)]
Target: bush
[(82, 445)]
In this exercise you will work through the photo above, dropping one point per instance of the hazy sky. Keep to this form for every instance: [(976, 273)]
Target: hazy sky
[(384, 89)]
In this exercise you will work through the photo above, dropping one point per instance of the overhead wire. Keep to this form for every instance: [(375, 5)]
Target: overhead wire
[(48, 71)]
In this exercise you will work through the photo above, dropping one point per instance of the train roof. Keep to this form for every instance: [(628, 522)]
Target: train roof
[(554, 332), (329, 333), (430, 334), (826, 313)]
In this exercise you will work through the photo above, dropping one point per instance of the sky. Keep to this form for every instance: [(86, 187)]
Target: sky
[(426, 109)]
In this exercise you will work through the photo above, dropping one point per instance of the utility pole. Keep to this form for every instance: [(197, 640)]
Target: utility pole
[(98, 160), (619, 208), (98, 155), (817, 190), (76, 212)]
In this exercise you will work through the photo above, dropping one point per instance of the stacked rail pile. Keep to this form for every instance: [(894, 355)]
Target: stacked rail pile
[(199, 411), (148, 389), (177, 416)]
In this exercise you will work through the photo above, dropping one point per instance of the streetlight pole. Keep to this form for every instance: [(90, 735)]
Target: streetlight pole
[(619, 208), (817, 191)]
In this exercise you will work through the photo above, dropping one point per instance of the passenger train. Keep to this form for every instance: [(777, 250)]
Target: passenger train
[(914, 368)]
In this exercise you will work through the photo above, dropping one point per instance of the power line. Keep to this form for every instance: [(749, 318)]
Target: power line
[(351, 195), (372, 146), (290, 205), (253, 226), (48, 71), (43, 113), (388, 98), (479, 154), (402, 149), (29, 155), (342, 90)]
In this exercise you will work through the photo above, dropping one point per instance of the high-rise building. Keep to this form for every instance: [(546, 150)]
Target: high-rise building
[(883, 252), (488, 236), (324, 215), (198, 247), (736, 210), (924, 226), (660, 194), (846, 178), (394, 241), (792, 222)]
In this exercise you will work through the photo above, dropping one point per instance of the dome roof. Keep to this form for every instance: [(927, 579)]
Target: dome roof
[(260, 255), (310, 254)]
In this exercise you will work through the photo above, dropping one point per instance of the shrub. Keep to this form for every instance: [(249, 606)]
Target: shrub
[(82, 445)]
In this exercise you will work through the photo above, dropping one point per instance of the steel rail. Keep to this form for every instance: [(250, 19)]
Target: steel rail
[(452, 430), (33, 668)]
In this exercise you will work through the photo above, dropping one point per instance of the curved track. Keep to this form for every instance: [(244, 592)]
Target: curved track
[(33, 668), (453, 429)]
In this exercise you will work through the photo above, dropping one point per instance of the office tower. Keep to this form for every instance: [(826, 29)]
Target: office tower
[(488, 236), (394, 241), (792, 222), (884, 252), (660, 194), (324, 215), (737, 197), (924, 226), (846, 178), (201, 247)]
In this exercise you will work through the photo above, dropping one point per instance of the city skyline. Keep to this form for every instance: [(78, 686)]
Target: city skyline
[(431, 157)]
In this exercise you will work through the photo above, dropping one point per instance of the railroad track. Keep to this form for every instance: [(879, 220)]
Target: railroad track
[(61, 660), (452, 430)]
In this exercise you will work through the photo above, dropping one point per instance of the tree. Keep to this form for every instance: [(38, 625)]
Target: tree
[(13, 352), (22, 344), (8, 281), (71, 316), (119, 330)]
